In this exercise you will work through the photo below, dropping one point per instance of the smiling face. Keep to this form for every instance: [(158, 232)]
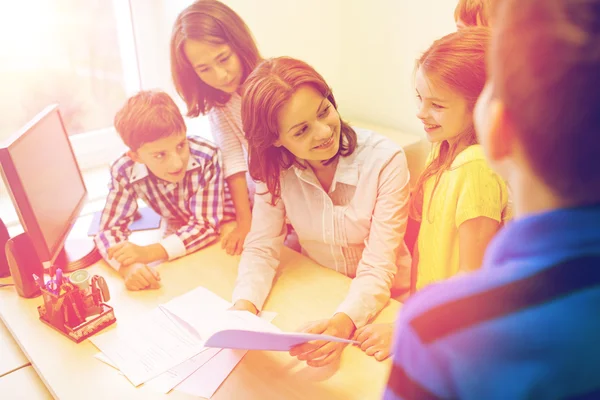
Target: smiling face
[(445, 114), (166, 158), (309, 126), (217, 65)]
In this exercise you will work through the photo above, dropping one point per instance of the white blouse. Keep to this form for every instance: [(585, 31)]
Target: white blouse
[(356, 229)]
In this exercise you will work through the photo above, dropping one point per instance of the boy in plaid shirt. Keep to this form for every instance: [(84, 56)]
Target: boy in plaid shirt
[(180, 177)]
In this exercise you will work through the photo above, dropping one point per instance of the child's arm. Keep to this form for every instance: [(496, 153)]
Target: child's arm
[(474, 236), (117, 215), (111, 240), (414, 268), (235, 166), (238, 188), (206, 209), (479, 209)]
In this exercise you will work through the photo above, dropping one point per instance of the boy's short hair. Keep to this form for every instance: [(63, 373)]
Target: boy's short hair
[(473, 12), (148, 116), (545, 69)]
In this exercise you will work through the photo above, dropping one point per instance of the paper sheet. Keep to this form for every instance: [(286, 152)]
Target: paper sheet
[(208, 323), (160, 340), (165, 382), (105, 360), (207, 379), (223, 364), (165, 346), (193, 305), (269, 341), (149, 346)]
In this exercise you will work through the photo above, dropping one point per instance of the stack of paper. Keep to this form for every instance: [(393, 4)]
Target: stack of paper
[(191, 344)]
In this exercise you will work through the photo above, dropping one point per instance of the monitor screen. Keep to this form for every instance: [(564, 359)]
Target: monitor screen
[(42, 174)]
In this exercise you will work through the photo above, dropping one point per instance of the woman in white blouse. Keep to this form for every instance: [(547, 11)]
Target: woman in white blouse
[(344, 190)]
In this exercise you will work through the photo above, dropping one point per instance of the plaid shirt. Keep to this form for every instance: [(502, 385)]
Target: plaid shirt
[(194, 207)]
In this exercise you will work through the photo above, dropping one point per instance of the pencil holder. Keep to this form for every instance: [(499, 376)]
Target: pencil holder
[(76, 313)]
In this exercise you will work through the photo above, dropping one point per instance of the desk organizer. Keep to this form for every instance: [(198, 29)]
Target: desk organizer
[(77, 314)]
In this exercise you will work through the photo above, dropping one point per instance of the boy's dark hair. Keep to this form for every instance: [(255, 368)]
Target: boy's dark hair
[(148, 116), (545, 68)]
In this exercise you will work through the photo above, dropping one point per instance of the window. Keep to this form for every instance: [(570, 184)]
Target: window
[(87, 56), (71, 52), (78, 54)]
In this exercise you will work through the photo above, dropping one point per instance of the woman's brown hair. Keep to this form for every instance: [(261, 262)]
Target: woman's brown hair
[(268, 88), (456, 62), (213, 22)]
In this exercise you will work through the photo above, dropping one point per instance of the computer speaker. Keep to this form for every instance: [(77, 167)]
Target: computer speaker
[(23, 263), (4, 271)]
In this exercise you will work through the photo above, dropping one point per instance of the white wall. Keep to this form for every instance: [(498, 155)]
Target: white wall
[(310, 30), (381, 41), (366, 50)]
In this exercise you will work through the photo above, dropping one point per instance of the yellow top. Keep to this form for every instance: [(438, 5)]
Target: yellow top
[(467, 190)]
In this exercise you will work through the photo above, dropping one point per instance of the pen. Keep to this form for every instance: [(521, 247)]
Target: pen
[(59, 277), (37, 281)]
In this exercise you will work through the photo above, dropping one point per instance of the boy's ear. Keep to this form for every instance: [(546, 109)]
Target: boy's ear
[(134, 156), (501, 132)]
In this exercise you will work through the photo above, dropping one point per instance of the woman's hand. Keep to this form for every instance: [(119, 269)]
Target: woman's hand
[(244, 305), (319, 353), (376, 340)]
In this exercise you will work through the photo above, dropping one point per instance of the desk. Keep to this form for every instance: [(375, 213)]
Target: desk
[(23, 384), (11, 356), (303, 291)]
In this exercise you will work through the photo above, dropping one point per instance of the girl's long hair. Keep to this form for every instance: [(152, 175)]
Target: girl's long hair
[(456, 62), (213, 22)]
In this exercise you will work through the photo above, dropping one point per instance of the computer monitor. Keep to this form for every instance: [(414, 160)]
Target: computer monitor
[(47, 189)]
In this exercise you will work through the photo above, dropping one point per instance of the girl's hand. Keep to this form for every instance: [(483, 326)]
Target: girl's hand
[(233, 242), (376, 340), (319, 353)]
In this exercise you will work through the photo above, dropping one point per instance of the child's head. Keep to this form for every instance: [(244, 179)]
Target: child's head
[(212, 53), (539, 118), (472, 13), (290, 117), (449, 78), (151, 125)]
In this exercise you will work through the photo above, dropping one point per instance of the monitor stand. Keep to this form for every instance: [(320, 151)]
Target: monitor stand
[(76, 254)]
